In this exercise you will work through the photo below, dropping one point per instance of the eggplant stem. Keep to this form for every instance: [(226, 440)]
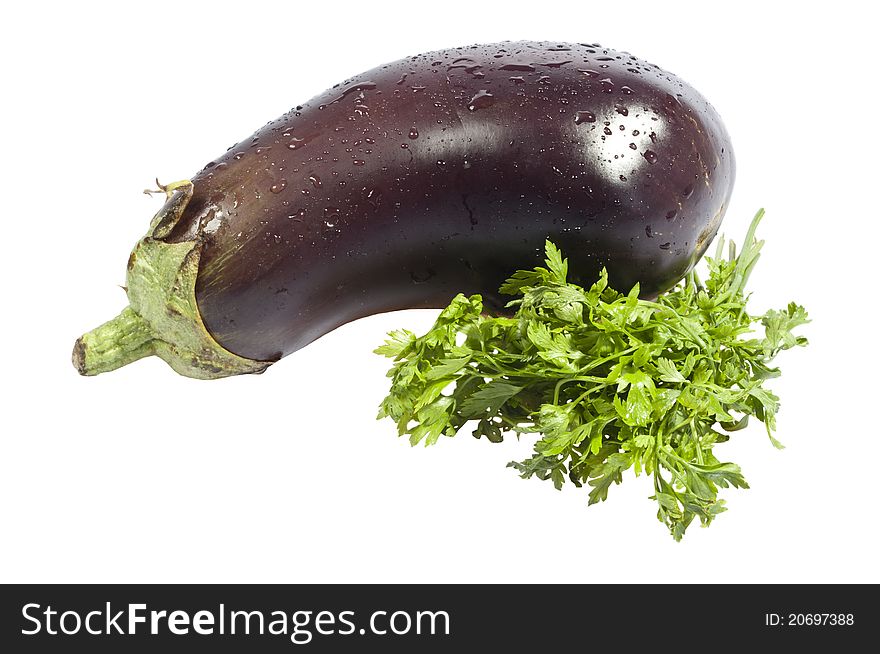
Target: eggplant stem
[(167, 189), (116, 343)]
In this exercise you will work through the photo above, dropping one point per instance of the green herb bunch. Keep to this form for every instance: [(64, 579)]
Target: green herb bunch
[(609, 381)]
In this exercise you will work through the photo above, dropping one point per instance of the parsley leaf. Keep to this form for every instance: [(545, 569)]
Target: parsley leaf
[(607, 382), (488, 399)]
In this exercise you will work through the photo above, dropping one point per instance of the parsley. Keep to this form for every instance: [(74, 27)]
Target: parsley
[(607, 380)]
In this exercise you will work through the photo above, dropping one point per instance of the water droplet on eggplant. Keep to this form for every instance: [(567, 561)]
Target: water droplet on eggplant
[(524, 68), (481, 100)]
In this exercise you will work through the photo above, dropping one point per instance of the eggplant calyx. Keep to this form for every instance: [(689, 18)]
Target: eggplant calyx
[(163, 317)]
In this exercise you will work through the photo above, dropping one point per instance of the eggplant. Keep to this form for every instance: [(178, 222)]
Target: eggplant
[(399, 188)]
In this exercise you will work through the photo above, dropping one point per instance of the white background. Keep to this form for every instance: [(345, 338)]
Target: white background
[(145, 476)]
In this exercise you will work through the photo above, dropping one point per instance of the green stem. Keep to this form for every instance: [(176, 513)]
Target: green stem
[(558, 387), (114, 344), (696, 439)]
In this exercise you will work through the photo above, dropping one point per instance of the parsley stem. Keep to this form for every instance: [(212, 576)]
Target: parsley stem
[(591, 390), (697, 281), (598, 380), (657, 439), (509, 421), (696, 440), (594, 364), (683, 423), (598, 362)]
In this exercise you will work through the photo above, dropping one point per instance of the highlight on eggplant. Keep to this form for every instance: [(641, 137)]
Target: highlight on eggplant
[(403, 186)]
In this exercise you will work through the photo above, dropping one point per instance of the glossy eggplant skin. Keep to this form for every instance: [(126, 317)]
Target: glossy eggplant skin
[(444, 173)]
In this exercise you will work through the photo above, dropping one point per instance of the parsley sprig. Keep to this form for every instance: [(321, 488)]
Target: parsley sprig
[(608, 380)]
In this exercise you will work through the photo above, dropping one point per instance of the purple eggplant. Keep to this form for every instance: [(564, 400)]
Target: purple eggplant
[(399, 188)]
